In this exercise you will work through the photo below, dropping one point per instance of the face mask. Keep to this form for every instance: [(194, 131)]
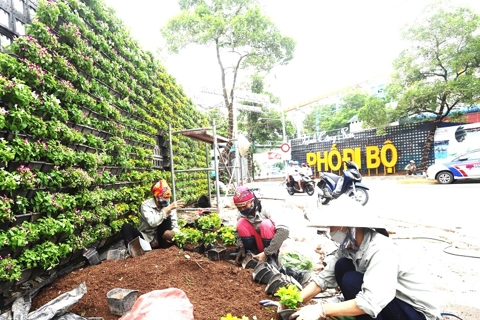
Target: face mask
[(248, 211), (338, 236), (163, 203)]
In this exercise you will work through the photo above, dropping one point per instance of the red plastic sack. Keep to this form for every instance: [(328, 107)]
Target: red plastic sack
[(169, 303)]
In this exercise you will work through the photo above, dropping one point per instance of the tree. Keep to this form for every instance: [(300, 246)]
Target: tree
[(439, 71), (263, 127), (220, 120), (243, 38), (375, 114), (335, 116)]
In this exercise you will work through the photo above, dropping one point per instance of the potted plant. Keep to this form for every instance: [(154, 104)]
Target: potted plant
[(9, 271), (209, 222), (289, 300), (189, 239), (6, 212), (7, 153)]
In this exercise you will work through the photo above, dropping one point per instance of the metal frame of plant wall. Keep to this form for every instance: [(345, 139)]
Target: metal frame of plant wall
[(83, 113)]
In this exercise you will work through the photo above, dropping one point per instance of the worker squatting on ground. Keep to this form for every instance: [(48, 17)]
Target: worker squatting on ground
[(259, 230), (376, 278), (158, 219)]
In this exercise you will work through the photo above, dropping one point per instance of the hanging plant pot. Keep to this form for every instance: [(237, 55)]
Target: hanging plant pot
[(81, 147), (26, 274), (35, 165), (31, 192), (65, 260), (5, 251), (59, 23), (20, 218), (47, 167), (86, 130), (5, 286), (35, 216), (19, 192), (37, 272), (76, 255), (91, 150), (4, 225), (13, 165), (102, 243)]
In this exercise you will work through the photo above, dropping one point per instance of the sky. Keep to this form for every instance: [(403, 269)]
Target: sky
[(340, 43)]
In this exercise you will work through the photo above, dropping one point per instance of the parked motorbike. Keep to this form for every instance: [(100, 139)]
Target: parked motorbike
[(308, 186), (352, 185)]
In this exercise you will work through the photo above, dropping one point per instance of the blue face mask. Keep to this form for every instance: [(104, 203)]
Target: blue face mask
[(164, 203)]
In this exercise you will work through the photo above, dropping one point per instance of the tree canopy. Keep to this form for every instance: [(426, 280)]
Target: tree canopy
[(334, 116), (439, 70), (243, 39)]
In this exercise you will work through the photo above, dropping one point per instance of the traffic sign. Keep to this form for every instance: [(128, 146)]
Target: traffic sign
[(285, 147)]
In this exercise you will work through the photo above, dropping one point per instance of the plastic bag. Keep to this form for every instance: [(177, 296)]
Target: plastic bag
[(297, 256), (168, 303)]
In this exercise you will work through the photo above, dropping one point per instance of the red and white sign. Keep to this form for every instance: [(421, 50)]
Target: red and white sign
[(274, 156), (285, 147)]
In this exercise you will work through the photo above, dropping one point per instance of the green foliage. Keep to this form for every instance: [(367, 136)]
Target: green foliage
[(334, 116), (9, 269), (234, 26), (296, 261), (227, 236), (188, 236), (289, 296), (6, 213), (209, 221), (210, 238), (375, 114), (439, 70), (48, 12)]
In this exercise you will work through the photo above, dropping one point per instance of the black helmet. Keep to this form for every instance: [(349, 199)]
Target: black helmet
[(460, 134)]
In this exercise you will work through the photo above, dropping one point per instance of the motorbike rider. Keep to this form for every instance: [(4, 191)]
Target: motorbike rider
[(338, 188), (378, 279), (306, 170), (261, 233), (293, 173)]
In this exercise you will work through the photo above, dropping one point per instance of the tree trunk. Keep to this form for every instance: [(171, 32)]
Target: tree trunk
[(428, 144), (225, 155), (251, 172)]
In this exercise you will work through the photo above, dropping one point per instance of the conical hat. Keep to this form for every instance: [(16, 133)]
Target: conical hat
[(346, 214), (243, 145)]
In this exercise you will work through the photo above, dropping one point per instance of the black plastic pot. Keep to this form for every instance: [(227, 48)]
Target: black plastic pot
[(285, 314), (217, 253)]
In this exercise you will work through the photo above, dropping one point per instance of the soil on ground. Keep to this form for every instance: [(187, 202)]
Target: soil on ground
[(215, 288)]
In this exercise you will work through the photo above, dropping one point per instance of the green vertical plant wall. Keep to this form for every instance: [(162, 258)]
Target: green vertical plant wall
[(82, 108)]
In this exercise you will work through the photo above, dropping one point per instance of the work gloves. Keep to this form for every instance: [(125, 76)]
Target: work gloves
[(310, 312)]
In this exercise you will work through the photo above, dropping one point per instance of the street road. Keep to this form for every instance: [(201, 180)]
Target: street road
[(451, 207), (436, 223)]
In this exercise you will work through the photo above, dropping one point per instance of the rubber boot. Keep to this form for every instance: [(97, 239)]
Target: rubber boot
[(272, 260), (250, 247)]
